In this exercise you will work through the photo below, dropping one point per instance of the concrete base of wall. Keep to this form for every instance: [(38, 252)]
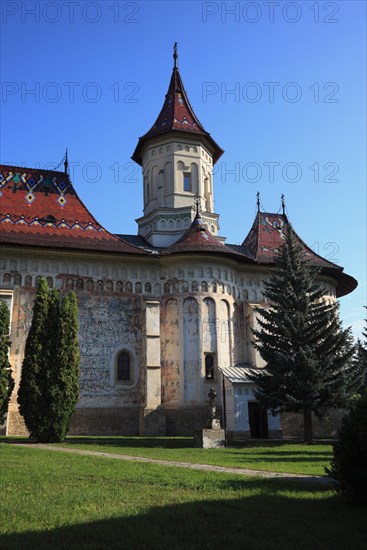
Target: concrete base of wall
[(185, 421), (16, 424), (292, 424), (152, 423), (93, 421)]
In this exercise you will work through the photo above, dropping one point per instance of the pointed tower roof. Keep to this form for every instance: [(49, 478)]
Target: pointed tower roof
[(267, 235), (176, 115)]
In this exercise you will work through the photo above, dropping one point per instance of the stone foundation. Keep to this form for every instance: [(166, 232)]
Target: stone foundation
[(94, 421), (16, 424), (292, 424), (185, 421), (152, 423)]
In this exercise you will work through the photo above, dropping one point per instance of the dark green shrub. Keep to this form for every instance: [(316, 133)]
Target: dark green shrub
[(349, 466)]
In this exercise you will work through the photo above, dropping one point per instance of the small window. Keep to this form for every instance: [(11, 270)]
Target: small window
[(187, 182), (209, 366), (124, 370)]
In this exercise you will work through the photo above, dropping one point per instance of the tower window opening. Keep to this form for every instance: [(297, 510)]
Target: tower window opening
[(187, 182), (209, 366)]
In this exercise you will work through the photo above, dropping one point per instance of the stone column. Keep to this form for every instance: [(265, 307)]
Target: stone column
[(152, 422)]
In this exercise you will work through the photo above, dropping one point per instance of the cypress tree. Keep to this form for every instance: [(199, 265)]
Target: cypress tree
[(50, 345), (300, 337), (49, 386), (63, 387), (6, 380), (32, 384)]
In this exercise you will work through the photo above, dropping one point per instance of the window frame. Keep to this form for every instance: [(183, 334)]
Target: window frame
[(187, 177), (211, 368), (124, 381)]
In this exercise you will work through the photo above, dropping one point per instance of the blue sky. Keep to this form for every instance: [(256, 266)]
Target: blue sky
[(281, 86)]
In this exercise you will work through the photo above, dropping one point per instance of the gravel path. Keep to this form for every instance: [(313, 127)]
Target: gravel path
[(205, 467)]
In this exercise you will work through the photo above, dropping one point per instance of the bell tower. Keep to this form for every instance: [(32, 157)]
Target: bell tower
[(177, 157)]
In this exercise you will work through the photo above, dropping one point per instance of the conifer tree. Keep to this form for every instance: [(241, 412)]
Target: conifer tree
[(360, 362), (49, 387), (32, 384), (300, 337), (6, 380), (50, 345), (63, 357)]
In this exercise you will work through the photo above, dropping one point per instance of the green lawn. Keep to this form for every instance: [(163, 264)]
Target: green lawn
[(273, 456), (62, 501)]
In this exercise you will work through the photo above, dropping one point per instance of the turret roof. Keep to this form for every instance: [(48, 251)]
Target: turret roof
[(176, 115)]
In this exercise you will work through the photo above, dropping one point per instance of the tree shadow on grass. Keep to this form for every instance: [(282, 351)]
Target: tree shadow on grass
[(264, 457), (273, 516), (137, 442)]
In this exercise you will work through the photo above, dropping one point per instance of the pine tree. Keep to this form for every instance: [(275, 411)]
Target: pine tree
[(349, 464), (31, 394), (300, 337), (6, 380), (360, 363)]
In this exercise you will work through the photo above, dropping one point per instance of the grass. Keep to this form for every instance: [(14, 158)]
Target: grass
[(274, 456), (59, 500)]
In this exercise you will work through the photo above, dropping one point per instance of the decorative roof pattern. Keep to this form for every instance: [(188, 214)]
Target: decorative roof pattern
[(176, 115), (41, 207), (267, 235), (199, 239)]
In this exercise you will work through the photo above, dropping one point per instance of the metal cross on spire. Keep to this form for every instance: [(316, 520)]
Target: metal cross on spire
[(258, 201), (283, 204), (197, 204), (66, 162), (175, 56)]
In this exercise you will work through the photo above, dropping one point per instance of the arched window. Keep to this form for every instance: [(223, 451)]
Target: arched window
[(17, 280), (138, 288), (119, 286), (124, 370), (90, 285), (109, 286), (69, 284), (148, 288), (209, 366), (7, 279), (28, 281)]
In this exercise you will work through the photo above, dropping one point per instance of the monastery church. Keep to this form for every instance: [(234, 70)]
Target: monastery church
[(164, 315)]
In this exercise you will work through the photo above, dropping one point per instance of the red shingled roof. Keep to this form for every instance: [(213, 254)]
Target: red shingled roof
[(41, 208), (267, 235), (176, 115), (199, 239)]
